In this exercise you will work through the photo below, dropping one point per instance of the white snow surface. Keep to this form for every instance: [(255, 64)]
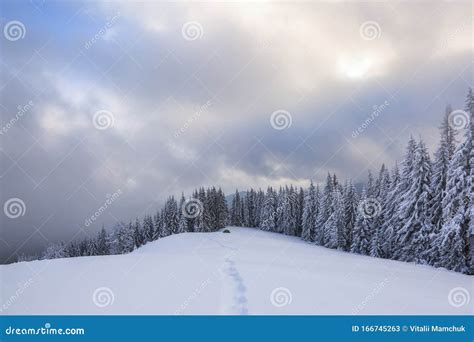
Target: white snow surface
[(245, 272)]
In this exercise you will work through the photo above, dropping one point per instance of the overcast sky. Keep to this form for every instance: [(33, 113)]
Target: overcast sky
[(146, 99)]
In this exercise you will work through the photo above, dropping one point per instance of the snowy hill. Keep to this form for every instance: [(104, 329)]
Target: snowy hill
[(245, 272)]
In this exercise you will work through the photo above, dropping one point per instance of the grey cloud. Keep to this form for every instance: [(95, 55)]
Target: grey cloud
[(249, 63)]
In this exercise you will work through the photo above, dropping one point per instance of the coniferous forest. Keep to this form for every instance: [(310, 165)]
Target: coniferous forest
[(420, 210)]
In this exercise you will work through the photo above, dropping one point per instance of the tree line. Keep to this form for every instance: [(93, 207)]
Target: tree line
[(205, 211), (419, 211)]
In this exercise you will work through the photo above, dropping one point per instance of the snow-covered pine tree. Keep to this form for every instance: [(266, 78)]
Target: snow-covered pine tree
[(290, 211), (182, 219), (324, 210), (414, 234), (208, 212), (397, 220), (269, 212), (242, 209), (250, 208), (299, 212), (284, 206), (114, 239), (334, 226), (260, 203), (309, 214), (350, 203), (381, 191), (222, 210), (200, 195), (362, 236), (72, 250), (235, 211), (192, 221), (148, 228), (83, 248), (138, 234), (170, 217), (91, 247), (54, 251), (158, 224), (102, 243), (458, 212), (443, 156), (280, 211), (389, 209), (126, 243), (371, 186)]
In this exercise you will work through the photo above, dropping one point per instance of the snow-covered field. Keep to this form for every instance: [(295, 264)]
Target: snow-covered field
[(245, 272)]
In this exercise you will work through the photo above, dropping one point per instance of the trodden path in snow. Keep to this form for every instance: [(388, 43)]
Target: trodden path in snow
[(233, 290), (239, 299), (245, 272)]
